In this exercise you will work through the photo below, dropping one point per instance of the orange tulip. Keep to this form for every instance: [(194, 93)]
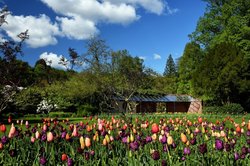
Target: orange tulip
[(87, 142), (67, 136), (183, 138), (104, 142), (238, 129)]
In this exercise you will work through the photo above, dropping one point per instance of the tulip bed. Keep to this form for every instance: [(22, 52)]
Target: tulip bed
[(127, 140)]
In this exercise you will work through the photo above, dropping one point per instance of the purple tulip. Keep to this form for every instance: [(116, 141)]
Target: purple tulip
[(193, 141), (163, 163), (165, 148), (138, 138), (164, 139), (70, 162), (248, 133), (44, 137), (124, 140), (203, 148), (4, 140), (186, 151), (63, 134), (174, 145), (92, 152), (242, 156), (248, 141), (33, 130), (236, 156), (87, 155), (244, 150), (148, 139), (219, 144), (156, 155), (183, 158), (134, 146), (227, 147), (42, 160), (12, 152)]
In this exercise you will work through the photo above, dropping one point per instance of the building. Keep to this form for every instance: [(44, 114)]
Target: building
[(159, 103)]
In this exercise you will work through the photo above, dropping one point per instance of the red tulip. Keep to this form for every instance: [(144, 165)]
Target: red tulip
[(64, 157), (155, 128), (3, 128)]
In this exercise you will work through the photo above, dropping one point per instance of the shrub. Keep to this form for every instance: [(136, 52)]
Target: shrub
[(86, 110), (232, 108), (60, 114)]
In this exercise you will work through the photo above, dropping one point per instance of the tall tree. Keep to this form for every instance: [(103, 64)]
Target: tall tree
[(187, 65), (223, 75), (170, 68)]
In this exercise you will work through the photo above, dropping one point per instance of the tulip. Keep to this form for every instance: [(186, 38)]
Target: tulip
[(104, 142), (12, 131), (43, 161), (203, 148), (186, 151), (12, 152), (1, 146), (236, 156), (170, 140), (87, 142), (70, 162), (67, 137), (154, 137), (3, 128), (32, 139), (134, 146), (37, 135), (82, 142), (75, 133), (44, 127), (219, 144), (50, 137), (183, 138), (155, 128), (155, 155), (164, 139), (64, 157)]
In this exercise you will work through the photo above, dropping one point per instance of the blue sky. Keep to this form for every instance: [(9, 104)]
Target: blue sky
[(150, 29)]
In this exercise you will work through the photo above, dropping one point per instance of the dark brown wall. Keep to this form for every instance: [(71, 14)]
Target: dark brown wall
[(177, 107), (146, 107)]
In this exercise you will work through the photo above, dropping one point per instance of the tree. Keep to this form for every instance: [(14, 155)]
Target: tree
[(170, 68), (188, 63), (224, 21), (9, 65), (223, 75)]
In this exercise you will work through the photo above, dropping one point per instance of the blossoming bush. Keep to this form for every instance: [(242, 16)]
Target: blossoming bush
[(129, 140)]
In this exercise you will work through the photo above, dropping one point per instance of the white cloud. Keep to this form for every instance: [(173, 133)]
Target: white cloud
[(77, 28), (79, 19), (157, 56), (42, 32), (153, 6), (142, 57), (52, 60), (171, 10)]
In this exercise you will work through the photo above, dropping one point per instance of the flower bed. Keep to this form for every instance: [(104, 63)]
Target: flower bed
[(127, 140)]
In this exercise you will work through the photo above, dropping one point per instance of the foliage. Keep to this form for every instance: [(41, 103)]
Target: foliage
[(225, 79), (232, 108), (86, 110), (170, 68), (187, 65), (60, 114)]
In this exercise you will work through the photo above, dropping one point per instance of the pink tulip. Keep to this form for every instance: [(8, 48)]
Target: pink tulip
[(50, 137), (12, 131), (75, 133), (32, 139)]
